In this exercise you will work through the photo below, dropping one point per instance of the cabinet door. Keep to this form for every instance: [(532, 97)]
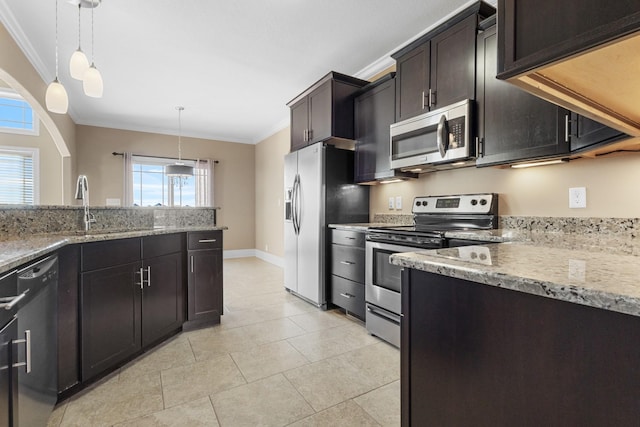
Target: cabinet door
[(375, 112), (299, 124), (68, 340), (412, 76), (513, 124), (8, 379), (162, 309), (586, 133), (205, 285), (110, 313), (453, 71), (320, 113)]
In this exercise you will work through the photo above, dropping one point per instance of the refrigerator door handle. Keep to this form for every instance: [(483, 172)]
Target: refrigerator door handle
[(294, 199), (298, 204)]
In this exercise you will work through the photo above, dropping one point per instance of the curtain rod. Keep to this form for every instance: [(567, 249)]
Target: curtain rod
[(158, 157)]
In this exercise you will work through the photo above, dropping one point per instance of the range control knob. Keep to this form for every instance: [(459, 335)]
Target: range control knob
[(417, 202), (474, 202), (483, 202)]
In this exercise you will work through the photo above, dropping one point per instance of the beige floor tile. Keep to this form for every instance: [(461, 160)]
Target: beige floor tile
[(171, 354), (271, 401), (234, 319), (115, 401), (56, 416), (198, 413), (200, 379), (318, 320), (379, 362), (211, 343), (331, 342), (329, 382), (272, 330), (383, 404), (345, 414), (267, 360)]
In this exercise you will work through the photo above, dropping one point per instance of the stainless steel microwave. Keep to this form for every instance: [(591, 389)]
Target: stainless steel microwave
[(436, 137)]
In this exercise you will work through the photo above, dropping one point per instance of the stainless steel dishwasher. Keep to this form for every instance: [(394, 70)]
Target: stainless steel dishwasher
[(29, 344)]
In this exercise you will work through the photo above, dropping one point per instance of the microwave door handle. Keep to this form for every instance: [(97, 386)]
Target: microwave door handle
[(442, 136)]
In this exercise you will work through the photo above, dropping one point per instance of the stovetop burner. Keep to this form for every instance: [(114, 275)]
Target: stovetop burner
[(435, 215)]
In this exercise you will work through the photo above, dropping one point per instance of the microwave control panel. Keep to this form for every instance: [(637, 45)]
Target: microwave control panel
[(456, 132)]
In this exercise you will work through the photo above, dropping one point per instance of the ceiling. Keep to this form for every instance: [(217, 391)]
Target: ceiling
[(233, 65)]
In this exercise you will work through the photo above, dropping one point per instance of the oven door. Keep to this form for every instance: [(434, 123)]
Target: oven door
[(382, 279)]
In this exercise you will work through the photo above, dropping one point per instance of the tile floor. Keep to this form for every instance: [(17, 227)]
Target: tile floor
[(273, 361)]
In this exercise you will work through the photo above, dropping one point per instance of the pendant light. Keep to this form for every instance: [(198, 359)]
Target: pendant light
[(179, 169), (78, 64), (92, 80), (56, 97)]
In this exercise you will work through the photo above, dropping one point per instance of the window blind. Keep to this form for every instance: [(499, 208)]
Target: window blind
[(17, 178)]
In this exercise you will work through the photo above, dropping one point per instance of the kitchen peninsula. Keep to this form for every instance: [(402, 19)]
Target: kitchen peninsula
[(543, 331)]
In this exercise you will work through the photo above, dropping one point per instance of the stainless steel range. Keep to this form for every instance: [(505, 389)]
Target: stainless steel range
[(433, 217)]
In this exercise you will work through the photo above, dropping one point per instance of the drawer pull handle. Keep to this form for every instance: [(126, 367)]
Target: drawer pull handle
[(27, 347), (207, 241), (347, 295), (9, 302), (350, 238), (347, 262)]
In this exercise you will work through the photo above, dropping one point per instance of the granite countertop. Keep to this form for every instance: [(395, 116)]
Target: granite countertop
[(17, 251), (601, 271)]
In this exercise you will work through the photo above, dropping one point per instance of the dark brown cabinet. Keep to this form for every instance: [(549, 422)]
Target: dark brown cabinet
[(512, 124), (68, 321), (130, 297), (324, 111), (438, 69), (478, 355), (587, 134), (374, 113), (205, 280), (348, 270)]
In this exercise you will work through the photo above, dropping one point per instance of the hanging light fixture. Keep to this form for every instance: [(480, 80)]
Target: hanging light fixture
[(78, 64), (56, 97), (179, 169), (92, 80)]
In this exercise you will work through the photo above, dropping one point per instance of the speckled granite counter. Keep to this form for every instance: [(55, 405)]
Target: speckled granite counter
[(17, 251), (598, 271)]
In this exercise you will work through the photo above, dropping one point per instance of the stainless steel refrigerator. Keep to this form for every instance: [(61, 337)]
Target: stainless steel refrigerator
[(319, 190)]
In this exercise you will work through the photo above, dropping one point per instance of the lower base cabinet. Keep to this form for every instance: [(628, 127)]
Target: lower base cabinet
[(128, 306), (204, 283), (479, 355)]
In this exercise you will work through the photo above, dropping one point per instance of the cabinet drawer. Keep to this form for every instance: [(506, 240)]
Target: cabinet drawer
[(348, 262), (163, 244), (347, 237), (348, 295), (109, 253), (204, 240)]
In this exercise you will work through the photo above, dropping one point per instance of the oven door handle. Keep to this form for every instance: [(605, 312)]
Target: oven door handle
[(389, 316), (442, 136)]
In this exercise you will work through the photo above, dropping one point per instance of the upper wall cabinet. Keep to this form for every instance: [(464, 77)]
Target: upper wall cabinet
[(512, 124), (374, 113), (582, 55), (438, 69), (324, 111)]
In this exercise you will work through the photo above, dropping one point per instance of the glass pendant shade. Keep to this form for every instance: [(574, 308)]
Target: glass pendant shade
[(78, 64), (92, 82), (56, 98), (178, 170)]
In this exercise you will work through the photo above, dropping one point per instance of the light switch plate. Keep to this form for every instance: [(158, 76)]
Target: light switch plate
[(392, 203), (398, 202), (577, 197)]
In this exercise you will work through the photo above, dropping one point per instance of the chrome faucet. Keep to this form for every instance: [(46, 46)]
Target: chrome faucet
[(82, 193)]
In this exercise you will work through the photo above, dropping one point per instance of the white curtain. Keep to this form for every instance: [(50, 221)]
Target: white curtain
[(204, 182), (128, 179)]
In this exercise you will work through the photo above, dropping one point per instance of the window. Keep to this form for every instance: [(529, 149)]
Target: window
[(16, 115), (19, 176), (151, 187)]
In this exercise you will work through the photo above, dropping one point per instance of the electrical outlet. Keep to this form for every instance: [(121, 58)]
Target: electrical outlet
[(392, 203), (398, 203), (577, 197)]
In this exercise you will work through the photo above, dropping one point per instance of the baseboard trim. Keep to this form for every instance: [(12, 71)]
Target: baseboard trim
[(246, 253)]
